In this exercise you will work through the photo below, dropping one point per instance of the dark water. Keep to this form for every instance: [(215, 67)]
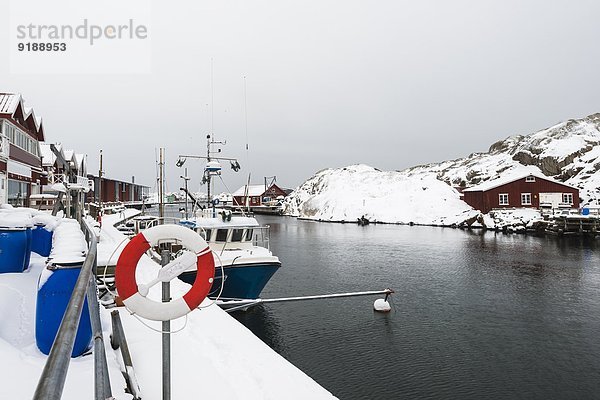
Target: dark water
[(477, 315)]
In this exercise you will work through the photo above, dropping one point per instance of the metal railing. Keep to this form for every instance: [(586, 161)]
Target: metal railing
[(51, 383), (118, 341)]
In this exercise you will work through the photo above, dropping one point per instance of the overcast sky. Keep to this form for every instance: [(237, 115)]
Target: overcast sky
[(329, 83)]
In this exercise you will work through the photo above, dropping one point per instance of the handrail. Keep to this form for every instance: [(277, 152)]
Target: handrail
[(117, 341), (52, 380)]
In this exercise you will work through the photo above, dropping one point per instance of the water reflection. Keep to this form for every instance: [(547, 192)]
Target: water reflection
[(261, 321)]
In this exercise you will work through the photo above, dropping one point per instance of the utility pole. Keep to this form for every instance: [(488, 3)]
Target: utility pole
[(186, 178), (100, 183), (161, 205)]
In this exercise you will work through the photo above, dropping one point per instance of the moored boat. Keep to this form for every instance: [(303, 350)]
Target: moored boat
[(243, 260)]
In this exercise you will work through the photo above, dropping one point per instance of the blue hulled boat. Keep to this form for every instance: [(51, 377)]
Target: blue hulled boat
[(241, 250)]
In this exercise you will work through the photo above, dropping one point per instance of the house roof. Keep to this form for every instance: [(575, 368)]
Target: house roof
[(79, 160), (9, 104), (253, 190), (512, 177), (48, 157)]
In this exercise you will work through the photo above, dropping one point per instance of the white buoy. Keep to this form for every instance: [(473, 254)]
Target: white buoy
[(381, 305)]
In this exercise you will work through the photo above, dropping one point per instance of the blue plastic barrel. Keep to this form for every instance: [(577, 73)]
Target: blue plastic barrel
[(13, 249), (585, 211), (52, 299), (41, 240)]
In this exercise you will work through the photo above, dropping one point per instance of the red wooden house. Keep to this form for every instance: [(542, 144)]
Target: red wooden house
[(525, 190), (21, 131), (115, 190), (257, 195)]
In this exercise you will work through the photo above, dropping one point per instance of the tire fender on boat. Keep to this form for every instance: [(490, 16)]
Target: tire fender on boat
[(127, 286)]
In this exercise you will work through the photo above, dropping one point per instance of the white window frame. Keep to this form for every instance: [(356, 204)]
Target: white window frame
[(566, 196), (500, 197), (530, 178), (21, 139), (524, 202)]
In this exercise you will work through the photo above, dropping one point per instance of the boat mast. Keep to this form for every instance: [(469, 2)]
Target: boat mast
[(208, 178)]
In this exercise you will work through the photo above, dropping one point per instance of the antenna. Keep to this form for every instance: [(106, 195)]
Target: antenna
[(212, 99), (246, 112)]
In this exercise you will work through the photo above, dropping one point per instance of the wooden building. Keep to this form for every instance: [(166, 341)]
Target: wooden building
[(521, 191), (21, 132), (114, 190), (257, 195)]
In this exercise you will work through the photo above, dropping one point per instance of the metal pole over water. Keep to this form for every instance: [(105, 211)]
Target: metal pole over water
[(166, 335)]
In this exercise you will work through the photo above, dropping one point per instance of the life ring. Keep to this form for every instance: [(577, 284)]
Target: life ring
[(129, 290)]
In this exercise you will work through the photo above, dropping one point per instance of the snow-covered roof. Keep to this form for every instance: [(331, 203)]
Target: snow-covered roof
[(9, 102), (48, 156), (253, 190), (79, 161), (511, 177), (236, 222), (78, 157), (68, 154)]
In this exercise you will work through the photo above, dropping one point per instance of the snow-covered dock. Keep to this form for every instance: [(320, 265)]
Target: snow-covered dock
[(212, 356)]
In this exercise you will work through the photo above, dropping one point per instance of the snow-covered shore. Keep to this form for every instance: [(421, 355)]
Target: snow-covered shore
[(429, 194), (213, 355)]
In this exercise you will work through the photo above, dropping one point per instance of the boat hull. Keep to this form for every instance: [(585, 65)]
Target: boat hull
[(242, 281)]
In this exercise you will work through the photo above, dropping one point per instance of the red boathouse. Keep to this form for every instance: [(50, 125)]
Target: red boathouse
[(524, 191)]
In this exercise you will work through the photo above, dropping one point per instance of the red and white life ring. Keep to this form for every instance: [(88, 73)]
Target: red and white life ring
[(127, 286)]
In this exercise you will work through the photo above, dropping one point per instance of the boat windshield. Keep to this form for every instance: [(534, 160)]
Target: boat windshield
[(206, 234), (221, 235), (237, 235)]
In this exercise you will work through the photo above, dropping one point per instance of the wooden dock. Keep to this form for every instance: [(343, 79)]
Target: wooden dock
[(568, 225)]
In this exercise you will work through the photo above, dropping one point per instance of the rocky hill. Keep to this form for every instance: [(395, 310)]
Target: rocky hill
[(427, 194)]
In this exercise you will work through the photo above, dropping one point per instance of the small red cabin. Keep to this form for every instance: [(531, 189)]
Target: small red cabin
[(257, 195), (524, 191)]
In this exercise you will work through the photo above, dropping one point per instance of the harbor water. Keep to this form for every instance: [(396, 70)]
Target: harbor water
[(475, 315)]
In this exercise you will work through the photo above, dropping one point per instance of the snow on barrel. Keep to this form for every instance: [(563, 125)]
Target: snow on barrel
[(15, 241), (56, 285), (42, 233)]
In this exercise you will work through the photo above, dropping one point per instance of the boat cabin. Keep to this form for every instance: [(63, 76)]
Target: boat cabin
[(237, 233)]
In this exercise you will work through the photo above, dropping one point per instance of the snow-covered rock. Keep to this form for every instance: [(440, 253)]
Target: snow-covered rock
[(346, 194), (429, 194)]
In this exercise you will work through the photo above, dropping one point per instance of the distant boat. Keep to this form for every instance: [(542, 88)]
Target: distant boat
[(362, 221)]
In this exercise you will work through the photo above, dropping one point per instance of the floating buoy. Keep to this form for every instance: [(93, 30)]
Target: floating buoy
[(382, 305)]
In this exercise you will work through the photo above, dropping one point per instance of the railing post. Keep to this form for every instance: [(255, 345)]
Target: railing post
[(101, 378)]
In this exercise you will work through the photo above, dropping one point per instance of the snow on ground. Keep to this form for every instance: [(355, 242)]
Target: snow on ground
[(22, 362), (214, 356)]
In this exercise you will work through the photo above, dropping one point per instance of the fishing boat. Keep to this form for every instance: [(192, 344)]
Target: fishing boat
[(244, 262)]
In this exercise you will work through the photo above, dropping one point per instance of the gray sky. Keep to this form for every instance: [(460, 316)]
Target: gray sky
[(329, 83)]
